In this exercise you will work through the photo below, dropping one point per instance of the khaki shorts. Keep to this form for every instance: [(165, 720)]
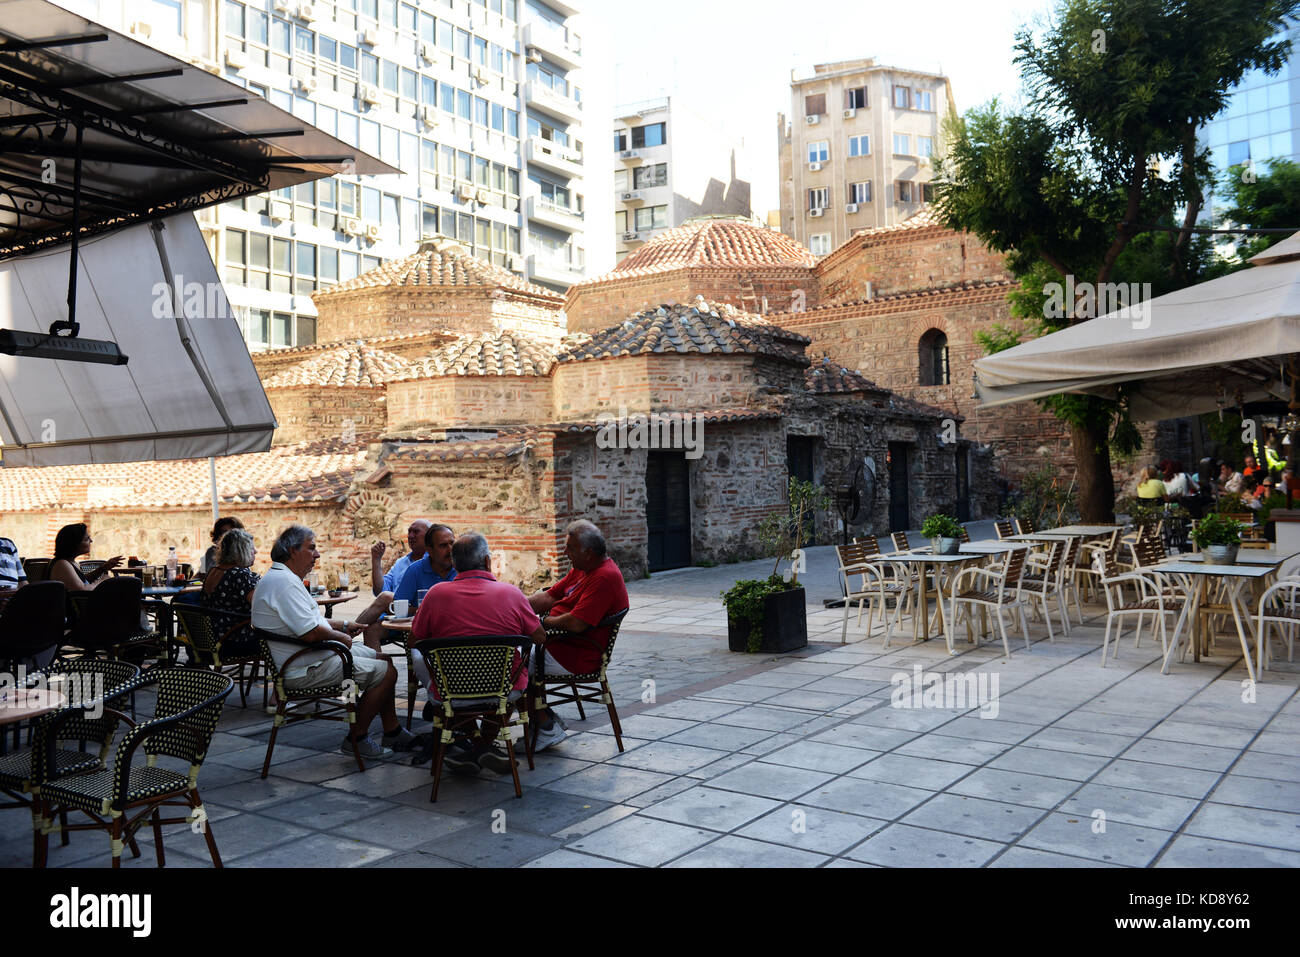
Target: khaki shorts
[(553, 667), (368, 671)]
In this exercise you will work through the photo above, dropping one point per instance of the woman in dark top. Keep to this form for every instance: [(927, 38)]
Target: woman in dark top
[(71, 543), (229, 587), (213, 554)]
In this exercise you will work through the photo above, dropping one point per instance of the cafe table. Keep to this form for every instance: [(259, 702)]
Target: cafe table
[(327, 601), (399, 632), (926, 563), (19, 704), (1197, 577)]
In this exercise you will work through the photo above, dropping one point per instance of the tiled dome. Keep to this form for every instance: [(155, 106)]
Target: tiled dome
[(506, 354), (439, 263), (351, 366)]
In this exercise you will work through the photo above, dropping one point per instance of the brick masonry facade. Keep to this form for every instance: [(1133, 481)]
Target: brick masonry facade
[(367, 313)]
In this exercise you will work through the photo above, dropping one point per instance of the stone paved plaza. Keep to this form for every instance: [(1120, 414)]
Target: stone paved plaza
[(794, 760)]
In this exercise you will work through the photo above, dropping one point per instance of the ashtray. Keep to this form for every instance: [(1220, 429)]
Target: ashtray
[(335, 592)]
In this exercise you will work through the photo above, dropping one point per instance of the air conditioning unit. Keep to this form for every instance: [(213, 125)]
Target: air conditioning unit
[(141, 28), (307, 84), (370, 36), (281, 6), (236, 59), (812, 120), (482, 196), (632, 197), (369, 94), (307, 11), (631, 237), (515, 262), (372, 232), (814, 213), (814, 167), (280, 209), (629, 154), (351, 226), (851, 208), (480, 76), (465, 191), (429, 116), (851, 112), (923, 161), (534, 56), (428, 52)]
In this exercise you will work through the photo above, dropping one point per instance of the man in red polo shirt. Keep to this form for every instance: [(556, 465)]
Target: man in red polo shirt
[(592, 591), (474, 603)]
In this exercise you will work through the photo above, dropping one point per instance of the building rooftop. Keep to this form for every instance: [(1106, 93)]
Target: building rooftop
[(698, 327), (825, 377), (354, 366), (508, 353), (440, 263), (310, 472)]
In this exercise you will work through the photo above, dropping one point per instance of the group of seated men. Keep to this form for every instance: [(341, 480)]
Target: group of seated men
[(464, 599)]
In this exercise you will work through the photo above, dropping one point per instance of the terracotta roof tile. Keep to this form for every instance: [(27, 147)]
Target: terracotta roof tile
[(699, 327), (440, 263), (922, 219), (508, 353), (374, 342), (703, 242), (502, 447), (825, 377), (351, 366), (310, 472)]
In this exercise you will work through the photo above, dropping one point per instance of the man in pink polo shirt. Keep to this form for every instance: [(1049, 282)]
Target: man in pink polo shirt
[(474, 603)]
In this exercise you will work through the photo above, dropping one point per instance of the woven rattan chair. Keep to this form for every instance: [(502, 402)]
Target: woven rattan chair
[(107, 621), (202, 632), (93, 682), (91, 567), (998, 590), (37, 569), (31, 623), (877, 586), (473, 678), (121, 799), (333, 702), (546, 691)]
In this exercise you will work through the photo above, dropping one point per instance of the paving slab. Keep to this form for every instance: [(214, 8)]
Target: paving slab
[(733, 851), (1079, 836), (712, 808), (902, 845)]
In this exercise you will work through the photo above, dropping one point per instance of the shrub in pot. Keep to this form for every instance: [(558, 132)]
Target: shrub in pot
[(1219, 537), (944, 533)]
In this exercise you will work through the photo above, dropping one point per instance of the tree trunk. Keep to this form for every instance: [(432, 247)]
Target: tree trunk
[(1096, 485)]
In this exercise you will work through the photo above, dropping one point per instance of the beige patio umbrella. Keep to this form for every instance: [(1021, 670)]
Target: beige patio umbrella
[(1215, 344)]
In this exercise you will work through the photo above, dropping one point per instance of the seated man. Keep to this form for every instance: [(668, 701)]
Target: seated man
[(436, 566), (12, 575), (592, 591), (282, 605), (474, 603), (380, 581)]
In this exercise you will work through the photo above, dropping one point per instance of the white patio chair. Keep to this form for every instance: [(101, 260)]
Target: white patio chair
[(1154, 597), (876, 588), (998, 590), (1280, 606)]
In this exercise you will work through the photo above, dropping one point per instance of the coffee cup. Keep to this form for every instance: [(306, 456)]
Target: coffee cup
[(400, 608)]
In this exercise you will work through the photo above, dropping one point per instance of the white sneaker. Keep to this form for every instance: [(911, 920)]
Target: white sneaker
[(369, 748), (549, 736)]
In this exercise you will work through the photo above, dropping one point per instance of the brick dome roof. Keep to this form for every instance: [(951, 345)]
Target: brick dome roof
[(506, 354), (439, 263), (354, 366)]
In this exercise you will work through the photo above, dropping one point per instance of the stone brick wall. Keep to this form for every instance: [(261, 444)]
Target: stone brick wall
[(366, 313), (659, 382), (308, 413), (591, 308), (901, 260), (468, 400)]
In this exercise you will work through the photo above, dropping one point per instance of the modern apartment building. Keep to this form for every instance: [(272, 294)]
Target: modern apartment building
[(857, 149), (670, 165), (1261, 121), (475, 101)]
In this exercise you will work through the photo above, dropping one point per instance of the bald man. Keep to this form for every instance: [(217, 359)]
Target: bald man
[(379, 582)]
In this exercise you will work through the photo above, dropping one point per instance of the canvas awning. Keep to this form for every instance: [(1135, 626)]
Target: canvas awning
[(1183, 353), (157, 406)]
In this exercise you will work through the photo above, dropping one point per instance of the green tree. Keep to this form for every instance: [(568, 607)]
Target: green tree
[(1118, 90), (1261, 199)]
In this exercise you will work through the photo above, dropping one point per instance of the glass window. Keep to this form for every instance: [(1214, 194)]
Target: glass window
[(280, 258), (465, 227), (259, 251), (348, 128), (647, 176), (498, 117), (904, 191), (1238, 153), (498, 177), (428, 221), (860, 145), (448, 160), (464, 165), (480, 51), (327, 193), (860, 192), (390, 73), (259, 27), (370, 137), (464, 105), (428, 91), (447, 36), (925, 146), (388, 150), (410, 221), (304, 40), (388, 12), (234, 19), (347, 56), (819, 198), (482, 171), (370, 203), (369, 68), (329, 48), (819, 244), (482, 237), (480, 111), (902, 97), (281, 329), (652, 217), (855, 98), (819, 151), (280, 35), (902, 144), (406, 20), (651, 135), (620, 141), (428, 156), (410, 82), (305, 193), (257, 329), (306, 331), (448, 228), (496, 58), (923, 100), (620, 180), (428, 28), (512, 182), (389, 218), (447, 97), (348, 262), (512, 122), (462, 44), (348, 199), (305, 258), (513, 233)]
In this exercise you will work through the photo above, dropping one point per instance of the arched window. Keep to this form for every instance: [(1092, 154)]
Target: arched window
[(934, 358)]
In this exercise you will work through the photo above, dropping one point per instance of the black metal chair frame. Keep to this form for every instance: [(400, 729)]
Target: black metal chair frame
[(323, 703), (592, 687), (120, 825), (451, 686), (204, 641)]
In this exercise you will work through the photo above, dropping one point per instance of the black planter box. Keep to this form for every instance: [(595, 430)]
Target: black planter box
[(785, 624)]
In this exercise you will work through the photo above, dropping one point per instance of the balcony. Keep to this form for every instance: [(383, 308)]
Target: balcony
[(630, 157), (559, 217), (556, 43), (555, 104), (551, 155), (557, 270)]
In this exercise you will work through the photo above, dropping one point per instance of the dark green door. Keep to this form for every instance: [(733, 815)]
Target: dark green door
[(668, 510)]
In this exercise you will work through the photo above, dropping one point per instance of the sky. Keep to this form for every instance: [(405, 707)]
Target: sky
[(731, 61)]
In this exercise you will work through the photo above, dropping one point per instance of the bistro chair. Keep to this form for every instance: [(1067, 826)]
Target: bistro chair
[(203, 631), (1003, 528), (107, 621), (91, 567), (331, 702), (67, 741), (875, 590), (31, 623), (963, 535), (545, 690), (1025, 526), (900, 542), (997, 590), (1088, 552), (1279, 606), (1042, 582), (121, 799), (473, 680), (37, 569), (1153, 598)]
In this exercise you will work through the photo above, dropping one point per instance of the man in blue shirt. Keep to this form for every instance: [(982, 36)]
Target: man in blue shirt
[(12, 576), (415, 536), (433, 568)]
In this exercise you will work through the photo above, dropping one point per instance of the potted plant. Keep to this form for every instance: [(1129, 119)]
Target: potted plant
[(1219, 537), (944, 533), (770, 615)]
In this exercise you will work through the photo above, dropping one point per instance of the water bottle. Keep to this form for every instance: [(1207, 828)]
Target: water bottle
[(172, 565)]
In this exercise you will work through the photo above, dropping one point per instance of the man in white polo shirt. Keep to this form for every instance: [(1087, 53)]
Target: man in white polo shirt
[(283, 606)]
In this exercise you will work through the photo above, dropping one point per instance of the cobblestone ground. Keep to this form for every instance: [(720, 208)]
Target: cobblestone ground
[(738, 760)]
